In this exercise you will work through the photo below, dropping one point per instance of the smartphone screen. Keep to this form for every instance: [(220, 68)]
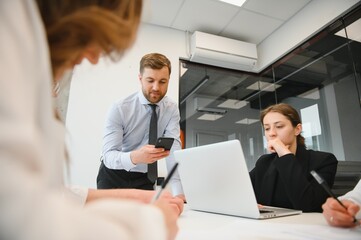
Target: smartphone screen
[(164, 142)]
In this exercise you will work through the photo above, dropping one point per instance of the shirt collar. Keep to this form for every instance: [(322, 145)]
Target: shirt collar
[(144, 101)]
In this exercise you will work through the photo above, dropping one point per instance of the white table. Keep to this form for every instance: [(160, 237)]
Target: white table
[(195, 225)]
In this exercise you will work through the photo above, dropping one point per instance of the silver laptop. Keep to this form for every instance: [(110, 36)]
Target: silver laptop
[(215, 179)]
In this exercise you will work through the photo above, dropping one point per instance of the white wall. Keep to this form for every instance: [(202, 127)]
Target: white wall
[(95, 88)]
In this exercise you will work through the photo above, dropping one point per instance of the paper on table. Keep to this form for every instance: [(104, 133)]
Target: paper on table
[(296, 231), (325, 232), (258, 230)]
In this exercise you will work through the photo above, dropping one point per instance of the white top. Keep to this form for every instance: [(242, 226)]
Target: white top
[(33, 203), (355, 196)]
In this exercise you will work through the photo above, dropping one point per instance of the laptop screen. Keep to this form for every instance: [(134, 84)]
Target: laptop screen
[(215, 178)]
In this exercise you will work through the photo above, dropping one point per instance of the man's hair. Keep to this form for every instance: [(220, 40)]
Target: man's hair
[(154, 61), (290, 113), (71, 25)]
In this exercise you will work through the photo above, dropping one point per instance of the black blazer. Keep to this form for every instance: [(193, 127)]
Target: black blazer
[(286, 181)]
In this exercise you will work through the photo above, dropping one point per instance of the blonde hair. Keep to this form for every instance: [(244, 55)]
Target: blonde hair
[(71, 25), (290, 113)]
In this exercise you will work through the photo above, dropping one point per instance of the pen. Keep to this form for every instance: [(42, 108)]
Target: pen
[(164, 184), (322, 182)]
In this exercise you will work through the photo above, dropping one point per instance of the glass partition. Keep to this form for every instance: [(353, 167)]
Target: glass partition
[(321, 79)]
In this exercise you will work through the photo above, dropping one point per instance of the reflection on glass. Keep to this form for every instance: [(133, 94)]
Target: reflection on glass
[(311, 126), (321, 79)]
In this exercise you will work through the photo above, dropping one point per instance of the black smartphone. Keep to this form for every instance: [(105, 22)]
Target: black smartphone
[(164, 142)]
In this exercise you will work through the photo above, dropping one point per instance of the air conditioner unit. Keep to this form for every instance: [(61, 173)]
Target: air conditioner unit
[(223, 52)]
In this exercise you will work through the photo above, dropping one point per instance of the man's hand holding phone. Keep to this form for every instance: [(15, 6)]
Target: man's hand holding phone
[(164, 142), (150, 153)]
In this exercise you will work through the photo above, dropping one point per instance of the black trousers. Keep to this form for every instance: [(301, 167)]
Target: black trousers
[(110, 178)]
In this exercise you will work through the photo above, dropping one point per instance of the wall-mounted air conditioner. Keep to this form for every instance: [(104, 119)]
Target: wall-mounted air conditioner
[(223, 52)]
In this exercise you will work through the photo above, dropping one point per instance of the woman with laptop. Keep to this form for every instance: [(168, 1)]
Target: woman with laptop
[(282, 178)]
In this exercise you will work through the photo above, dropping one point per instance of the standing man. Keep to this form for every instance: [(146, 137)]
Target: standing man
[(133, 124)]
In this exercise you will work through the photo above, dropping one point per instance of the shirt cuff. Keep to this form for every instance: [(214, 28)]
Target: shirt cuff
[(354, 200), (177, 188), (127, 162)]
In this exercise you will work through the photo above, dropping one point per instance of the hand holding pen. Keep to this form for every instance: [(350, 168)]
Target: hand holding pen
[(176, 202), (337, 213), (338, 216), (164, 184)]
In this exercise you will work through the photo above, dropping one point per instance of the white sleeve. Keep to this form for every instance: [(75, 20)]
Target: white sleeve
[(30, 211), (142, 221), (354, 196), (33, 205), (173, 130)]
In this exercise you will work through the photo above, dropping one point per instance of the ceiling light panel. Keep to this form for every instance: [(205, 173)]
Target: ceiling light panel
[(233, 104), (210, 117), (264, 86), (247, 121), (237, 3)]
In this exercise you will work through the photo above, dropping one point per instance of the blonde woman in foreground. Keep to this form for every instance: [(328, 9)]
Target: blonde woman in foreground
[(40, 40)]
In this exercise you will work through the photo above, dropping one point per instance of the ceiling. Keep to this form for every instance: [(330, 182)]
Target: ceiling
[(253, 22)]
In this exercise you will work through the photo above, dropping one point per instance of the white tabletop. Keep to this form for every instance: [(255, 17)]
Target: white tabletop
[(195, 225)]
